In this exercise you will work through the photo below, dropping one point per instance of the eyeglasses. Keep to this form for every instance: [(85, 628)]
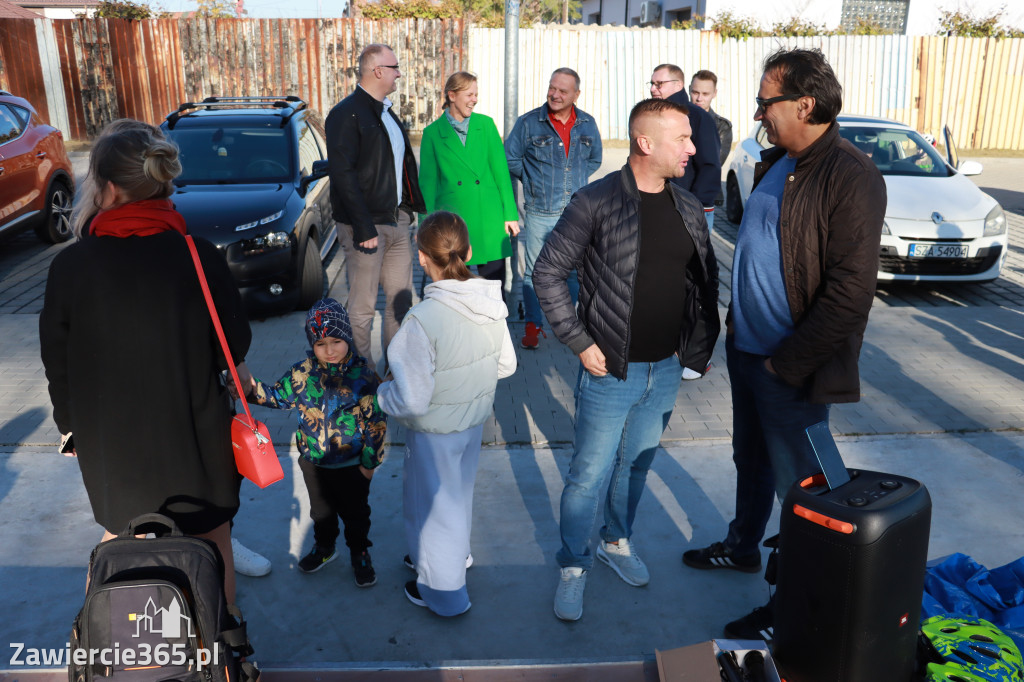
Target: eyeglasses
[(763, 104), (387, 66), (658, 84)]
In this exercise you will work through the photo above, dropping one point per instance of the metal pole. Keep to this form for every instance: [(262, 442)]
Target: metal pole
[(511, 64)]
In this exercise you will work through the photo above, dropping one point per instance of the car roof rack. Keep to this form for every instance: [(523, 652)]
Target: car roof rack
[(289, 104)]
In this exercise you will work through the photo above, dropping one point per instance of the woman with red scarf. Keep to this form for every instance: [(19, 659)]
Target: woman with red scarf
[(130, 352)]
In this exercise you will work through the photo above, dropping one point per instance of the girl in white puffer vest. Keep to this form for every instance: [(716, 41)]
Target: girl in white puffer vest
[(444, 364)]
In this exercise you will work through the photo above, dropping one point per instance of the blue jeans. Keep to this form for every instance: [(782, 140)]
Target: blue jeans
[(536, 228), (710, 215), (769, 446), (618, 430)]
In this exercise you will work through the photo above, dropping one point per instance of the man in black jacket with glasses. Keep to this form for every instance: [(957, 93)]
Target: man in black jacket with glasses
[(374, 195)]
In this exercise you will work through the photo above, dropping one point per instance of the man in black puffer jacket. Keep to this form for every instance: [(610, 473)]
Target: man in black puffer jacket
[(648, 306)]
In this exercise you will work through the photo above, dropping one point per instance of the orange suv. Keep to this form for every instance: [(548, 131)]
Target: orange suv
[(36, 182)]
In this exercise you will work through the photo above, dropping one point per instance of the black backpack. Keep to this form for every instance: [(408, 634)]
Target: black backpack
[(155, 611)]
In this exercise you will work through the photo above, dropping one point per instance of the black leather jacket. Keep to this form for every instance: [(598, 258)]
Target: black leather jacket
[(599, 236), (363, 191)]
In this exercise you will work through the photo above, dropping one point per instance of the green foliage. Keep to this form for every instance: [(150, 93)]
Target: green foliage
[(688, 25), (216, 9), (729, 25), (411, 9), (484, 13), (797, 27), (965, 24), (124, 9), (866, 27)]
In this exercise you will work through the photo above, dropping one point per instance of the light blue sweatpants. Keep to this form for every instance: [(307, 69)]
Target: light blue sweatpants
[(440, 470)]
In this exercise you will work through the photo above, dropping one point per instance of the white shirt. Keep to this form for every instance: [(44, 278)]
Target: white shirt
[(397, 144)]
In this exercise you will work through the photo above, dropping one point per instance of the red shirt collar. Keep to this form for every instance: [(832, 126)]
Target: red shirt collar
[(564, 130)]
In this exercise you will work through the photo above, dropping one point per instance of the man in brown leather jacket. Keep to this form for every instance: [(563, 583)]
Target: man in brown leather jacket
[(803, 281)]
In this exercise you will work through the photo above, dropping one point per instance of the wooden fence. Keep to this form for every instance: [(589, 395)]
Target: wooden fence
[(81, 74)]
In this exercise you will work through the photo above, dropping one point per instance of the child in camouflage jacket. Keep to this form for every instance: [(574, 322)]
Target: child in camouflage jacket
[(340, 435)]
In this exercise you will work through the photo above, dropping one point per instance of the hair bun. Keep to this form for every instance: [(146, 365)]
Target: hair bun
[(160, 161)]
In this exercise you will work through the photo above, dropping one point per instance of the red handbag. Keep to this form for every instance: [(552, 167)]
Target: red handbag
[(250, 439)]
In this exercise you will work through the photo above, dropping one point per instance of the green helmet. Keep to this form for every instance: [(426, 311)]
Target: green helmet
[(971, 650)]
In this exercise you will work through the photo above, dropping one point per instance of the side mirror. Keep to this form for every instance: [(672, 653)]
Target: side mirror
[(970, 168), (320, 169)]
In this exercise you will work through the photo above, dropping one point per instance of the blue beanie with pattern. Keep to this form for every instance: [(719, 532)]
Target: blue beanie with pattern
[(327, 317)]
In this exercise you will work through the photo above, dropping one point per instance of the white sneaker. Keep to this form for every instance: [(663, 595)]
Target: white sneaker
[(248, 562), (569, 595), (690, 375), (624, 561)]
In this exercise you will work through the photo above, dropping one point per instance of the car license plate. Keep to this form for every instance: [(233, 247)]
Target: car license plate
[(938, 251)]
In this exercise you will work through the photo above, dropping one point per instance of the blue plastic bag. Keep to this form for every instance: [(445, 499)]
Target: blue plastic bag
[(960, 585)]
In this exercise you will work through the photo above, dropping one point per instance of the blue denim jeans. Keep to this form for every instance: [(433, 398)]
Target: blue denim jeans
[(770, 449), (618, 430), (536, 228), (710, 215)]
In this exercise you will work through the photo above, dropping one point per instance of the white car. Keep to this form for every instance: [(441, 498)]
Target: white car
[(938, 225)]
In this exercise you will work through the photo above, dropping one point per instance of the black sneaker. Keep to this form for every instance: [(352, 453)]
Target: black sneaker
[(362, 565), (317, 558), (413, 593), (758, 624), (720, 556)]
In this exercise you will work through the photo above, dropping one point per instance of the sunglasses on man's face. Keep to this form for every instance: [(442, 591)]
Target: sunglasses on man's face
[(763, 104)]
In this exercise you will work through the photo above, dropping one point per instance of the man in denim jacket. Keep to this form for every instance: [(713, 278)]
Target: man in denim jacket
[(553, 150)]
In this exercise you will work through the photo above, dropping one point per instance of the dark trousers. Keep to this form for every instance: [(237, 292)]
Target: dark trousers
[(495, 270), (335, 493), (770, 448)]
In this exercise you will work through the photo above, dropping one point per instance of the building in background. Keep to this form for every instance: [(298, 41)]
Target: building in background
[(59, 9), (911, 17), (8, 10)]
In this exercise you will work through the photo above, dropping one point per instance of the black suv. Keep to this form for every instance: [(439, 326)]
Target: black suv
[(254, 182)]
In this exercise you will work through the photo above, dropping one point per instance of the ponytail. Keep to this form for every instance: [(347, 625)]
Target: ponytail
[(444, 239)]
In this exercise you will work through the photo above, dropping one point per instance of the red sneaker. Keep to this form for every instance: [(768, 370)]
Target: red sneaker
[(531, 339)]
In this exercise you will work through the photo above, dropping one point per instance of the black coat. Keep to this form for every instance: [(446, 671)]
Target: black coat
[(361, 161), (703, 176), (132, 362), (599, 236)]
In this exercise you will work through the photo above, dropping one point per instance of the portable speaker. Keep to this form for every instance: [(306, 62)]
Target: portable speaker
[(850, 578)]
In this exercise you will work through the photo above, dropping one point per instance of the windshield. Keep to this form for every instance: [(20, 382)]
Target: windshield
[(898, 152), (232, 155)]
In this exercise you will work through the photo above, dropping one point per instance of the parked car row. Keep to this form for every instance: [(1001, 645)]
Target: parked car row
[(938, 225)]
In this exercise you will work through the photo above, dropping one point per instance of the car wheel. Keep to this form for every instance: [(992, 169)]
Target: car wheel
[(311, 279), (733, 203), (55, 224)]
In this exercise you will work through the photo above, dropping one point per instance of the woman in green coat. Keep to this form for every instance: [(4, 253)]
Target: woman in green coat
[(463, 170)]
